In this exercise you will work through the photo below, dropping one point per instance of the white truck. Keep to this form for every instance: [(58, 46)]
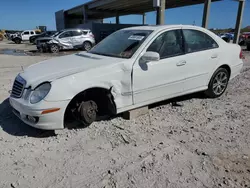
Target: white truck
[(24, 36)]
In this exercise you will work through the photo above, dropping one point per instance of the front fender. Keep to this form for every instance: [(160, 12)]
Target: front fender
[(68, 87), (53, 41)]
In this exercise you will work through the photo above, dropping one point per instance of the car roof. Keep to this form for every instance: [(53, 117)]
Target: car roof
[(76, 29), (162, 27)]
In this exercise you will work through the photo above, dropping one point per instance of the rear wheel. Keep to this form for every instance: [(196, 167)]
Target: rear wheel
[(54, 48), (218, 83), (87, 46), (17, 41)]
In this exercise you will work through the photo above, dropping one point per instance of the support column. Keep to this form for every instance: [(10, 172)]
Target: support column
[(206, 13), (239, 21), (158, 16), (143, 18), (117, 19), (160, 13), (85, 14)]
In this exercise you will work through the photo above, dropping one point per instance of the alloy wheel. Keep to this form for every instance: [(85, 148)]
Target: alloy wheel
[(220, 83), (87, 46)]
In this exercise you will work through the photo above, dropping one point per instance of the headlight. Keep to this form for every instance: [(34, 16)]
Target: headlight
[(40, 93)]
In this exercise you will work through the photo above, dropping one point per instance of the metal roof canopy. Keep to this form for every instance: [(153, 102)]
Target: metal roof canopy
[(100, 9)]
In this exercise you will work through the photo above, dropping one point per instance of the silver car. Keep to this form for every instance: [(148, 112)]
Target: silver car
[(67, 39)]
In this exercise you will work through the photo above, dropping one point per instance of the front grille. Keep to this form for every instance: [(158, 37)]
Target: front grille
[(18, 87)]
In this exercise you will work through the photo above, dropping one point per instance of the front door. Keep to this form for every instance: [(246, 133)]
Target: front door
[(25, 35), (202, 55), (155, 81), (65, 40)]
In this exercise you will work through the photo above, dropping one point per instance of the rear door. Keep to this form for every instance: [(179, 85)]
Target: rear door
[(77, 38), (202, 55)]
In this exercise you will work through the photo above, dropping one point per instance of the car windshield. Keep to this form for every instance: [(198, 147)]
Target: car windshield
[(122, 44)]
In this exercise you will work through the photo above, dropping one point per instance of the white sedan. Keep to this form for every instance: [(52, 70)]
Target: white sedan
[(131, 68)]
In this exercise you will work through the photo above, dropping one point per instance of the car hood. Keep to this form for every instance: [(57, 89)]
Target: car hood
[(45, 38), (59, 67)]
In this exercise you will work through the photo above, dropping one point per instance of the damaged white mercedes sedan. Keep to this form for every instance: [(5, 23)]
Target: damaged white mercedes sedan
[(131, 68)]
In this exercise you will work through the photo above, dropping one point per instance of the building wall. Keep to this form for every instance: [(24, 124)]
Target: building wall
[(60, 20), (72, 22), (102, 30)]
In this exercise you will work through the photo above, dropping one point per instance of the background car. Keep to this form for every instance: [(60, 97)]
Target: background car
[(44, 34), (24, 36), (248, 43), (10, 36), (244, 37), (227, 37), (68, 39)]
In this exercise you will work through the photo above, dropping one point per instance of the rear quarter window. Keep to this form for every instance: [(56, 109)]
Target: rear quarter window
[(85, 32)]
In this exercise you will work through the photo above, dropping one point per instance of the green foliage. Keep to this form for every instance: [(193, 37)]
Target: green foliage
[(229, 30)]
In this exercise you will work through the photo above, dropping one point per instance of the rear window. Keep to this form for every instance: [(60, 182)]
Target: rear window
[(76, 33), (198, 41)]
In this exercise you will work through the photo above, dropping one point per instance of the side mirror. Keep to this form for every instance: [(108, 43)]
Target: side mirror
[(150, 56)]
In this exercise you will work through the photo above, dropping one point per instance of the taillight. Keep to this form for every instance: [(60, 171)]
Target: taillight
[(241, 55), (91, 35)]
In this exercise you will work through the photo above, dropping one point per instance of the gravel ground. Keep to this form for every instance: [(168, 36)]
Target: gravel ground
[(196, 142)]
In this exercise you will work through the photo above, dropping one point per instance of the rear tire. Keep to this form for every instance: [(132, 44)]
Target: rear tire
[(17, 41), (54, 48), (218, 83), (87, 46), (242, 43)]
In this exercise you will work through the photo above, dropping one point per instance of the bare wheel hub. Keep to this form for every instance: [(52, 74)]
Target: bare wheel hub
[(87, 111)]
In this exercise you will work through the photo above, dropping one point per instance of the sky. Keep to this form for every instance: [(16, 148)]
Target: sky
[(27, 14)]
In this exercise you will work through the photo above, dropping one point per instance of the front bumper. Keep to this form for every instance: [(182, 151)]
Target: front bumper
[(51, 121)]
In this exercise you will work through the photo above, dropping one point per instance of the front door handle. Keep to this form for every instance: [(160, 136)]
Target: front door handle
[(181, 63), (214, 56)]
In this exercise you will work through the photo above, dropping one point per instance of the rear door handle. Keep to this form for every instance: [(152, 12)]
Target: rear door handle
[(181, 63)]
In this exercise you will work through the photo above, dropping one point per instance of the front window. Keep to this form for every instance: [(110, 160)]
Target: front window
[(66, 34), (168, 44), (123, 43), (58, 33)]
